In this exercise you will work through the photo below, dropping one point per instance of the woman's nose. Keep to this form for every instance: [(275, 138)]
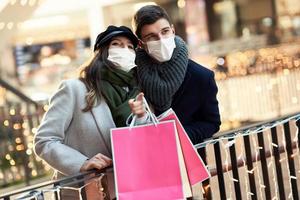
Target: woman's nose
[(124, 46)]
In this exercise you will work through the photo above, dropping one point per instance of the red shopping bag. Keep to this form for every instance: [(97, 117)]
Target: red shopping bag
[(147, 162), (196, 169)]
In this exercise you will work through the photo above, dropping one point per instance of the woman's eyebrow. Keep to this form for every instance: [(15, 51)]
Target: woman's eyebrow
[(116, 39)]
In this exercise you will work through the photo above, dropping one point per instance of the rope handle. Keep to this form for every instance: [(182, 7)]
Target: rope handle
[(151, 115)]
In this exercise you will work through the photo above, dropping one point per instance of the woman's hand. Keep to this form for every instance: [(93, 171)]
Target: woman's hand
[(99, 161), (137, 105)]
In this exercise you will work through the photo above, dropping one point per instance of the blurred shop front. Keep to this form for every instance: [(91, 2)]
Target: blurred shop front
[(254, 49), (253, 46)]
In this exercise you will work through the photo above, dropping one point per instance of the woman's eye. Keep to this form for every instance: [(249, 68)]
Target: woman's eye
[(130, 47)]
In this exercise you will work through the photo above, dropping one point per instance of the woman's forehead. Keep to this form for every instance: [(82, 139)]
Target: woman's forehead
[(121, 39)]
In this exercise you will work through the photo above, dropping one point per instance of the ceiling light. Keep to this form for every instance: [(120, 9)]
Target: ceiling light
[(45, 22)]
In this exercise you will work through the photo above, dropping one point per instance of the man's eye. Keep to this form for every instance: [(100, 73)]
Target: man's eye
[(151, 38), (166, 31), (130, 47)]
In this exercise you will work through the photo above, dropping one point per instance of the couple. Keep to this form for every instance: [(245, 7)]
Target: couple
[(74, 135)]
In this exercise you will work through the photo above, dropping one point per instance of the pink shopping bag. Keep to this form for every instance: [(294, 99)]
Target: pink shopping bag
[(196, 169), (146, 162)]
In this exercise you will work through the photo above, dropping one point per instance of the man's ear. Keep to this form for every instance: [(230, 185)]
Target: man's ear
[(173, 28), (141, 44)]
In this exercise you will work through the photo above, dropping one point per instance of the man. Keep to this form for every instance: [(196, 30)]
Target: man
[(169, 79)]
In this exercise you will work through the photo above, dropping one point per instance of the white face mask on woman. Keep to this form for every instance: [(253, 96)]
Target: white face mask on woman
[(123, 58), (162, 49)]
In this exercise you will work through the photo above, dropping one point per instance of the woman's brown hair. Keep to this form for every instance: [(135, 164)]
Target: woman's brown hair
[(90, 75)]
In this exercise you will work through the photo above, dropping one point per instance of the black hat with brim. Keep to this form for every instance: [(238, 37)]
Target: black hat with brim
[(113, 31)]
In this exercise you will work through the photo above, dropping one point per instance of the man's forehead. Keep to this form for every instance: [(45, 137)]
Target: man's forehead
[(155, 27)]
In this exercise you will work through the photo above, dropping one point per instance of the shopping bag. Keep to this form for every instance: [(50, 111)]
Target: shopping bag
[(196, 169), (96, 187), (147, 162)]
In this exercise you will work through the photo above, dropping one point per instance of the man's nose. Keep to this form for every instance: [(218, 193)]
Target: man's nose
[(160, 36)]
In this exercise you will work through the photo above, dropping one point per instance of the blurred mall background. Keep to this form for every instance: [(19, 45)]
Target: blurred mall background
[(252, 45)]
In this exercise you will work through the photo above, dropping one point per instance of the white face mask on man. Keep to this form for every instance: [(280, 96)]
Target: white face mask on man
[(162, 50), (123, 58)]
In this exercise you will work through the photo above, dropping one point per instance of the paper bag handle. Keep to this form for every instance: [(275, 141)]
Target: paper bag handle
[(151, 115)]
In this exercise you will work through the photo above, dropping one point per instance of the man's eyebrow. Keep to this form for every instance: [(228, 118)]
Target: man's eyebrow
[(165, 28), (149, 34)]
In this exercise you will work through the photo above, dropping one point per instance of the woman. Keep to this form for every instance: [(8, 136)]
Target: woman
[(74, 134)]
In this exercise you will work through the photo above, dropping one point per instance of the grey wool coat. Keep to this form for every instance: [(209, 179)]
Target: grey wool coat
[(67, 136)]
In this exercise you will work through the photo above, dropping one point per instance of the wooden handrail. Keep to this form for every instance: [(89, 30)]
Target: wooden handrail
[(65, 180), (253, 126)]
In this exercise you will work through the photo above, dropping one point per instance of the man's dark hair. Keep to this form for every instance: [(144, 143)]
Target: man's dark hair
[(148, 15)]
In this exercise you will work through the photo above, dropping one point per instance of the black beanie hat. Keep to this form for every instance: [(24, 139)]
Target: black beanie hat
[(113, 31)]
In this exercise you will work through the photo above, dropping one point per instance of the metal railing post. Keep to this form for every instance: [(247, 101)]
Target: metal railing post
[(290, 158), (264, 165), (235, 172), (250, 170), (220, 171), (276, 154)]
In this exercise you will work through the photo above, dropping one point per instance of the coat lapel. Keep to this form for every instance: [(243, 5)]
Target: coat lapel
[(179, 93), (104, 120)]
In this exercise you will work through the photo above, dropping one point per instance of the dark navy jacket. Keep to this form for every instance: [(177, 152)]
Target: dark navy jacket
[(195, 103)]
